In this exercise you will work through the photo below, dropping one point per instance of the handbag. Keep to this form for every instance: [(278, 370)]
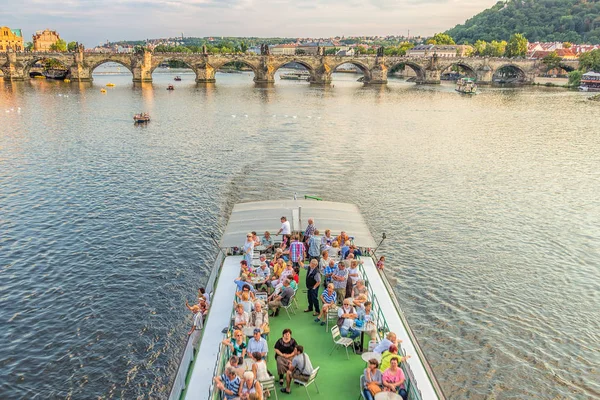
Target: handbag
[(374, 388), (340, 322), (267, 329)]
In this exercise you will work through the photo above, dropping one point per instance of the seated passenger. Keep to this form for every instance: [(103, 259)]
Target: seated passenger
[(259, 318), (393, 379), (285, 350), (348, 314), (256, 344), (260, 367), (364, 313), (229, 383), (300, 369), (242, 281), (327, 240), (334, 250), (234, 362), (390, 339), (360, 288), (267, 242), (358, 303), (250, 388), (247, 288), (345, 249), (373, 380), (246, 303), (241, 317), (328, 271), (328, 297), (255, 238), (387, 356), (237, 346), (342, 238), (263, 259), (263, 273), (282, 299)]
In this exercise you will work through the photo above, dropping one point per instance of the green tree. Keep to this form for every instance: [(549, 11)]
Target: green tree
[(60, 45), (28, 46), (552, 60), (517, 46), (590, 61), (575, 78), (72, 46), (479, 47), (243, 47), (300, 52), (441, 38), (495, 49)]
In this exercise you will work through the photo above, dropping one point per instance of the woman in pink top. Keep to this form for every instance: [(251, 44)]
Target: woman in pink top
[(393, 379)]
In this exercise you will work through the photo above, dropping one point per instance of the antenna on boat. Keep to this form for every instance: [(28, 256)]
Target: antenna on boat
[(295, 196), (382, 239), (212, 236)]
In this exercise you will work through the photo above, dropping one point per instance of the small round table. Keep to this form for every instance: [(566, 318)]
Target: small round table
[(248, 363), (388, 396), (368, 355), (249, 331)]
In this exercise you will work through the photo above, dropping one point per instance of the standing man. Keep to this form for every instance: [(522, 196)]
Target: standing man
[(286, 229), (340, 278), (297, 253), (310, 230), (314, 246), (313, 280)]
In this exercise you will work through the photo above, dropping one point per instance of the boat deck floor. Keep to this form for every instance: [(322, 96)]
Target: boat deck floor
[(338, 377)]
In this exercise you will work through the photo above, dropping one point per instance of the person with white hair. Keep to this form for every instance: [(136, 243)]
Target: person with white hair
[(250, 389)]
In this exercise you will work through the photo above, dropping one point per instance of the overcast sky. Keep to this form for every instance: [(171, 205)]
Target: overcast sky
[(94, 21)]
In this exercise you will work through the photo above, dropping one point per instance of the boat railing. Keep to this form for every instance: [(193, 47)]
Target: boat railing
[(222, 357), (382, 328), (193, 341)]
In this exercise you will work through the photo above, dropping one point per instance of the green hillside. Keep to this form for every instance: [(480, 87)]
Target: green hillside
[(576, 21)]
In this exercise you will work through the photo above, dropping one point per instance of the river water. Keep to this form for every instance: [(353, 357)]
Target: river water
[(490, 204)]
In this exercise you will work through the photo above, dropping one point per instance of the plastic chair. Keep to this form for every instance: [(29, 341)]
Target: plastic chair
[(290, 306), (268, 386), (339, 340), (362, 385), (311, 380), (331, 314)]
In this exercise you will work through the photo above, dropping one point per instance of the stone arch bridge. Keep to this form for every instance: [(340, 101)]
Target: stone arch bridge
[(428, 70)]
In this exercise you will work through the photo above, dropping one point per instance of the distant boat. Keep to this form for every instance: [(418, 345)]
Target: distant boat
[(466, 86), (58, 74), (170, 87), (141, 118), (177, 78), (295, 76), (590, 82), (110, 84)]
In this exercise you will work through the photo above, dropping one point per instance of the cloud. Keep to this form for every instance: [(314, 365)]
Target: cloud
[(94, 21)]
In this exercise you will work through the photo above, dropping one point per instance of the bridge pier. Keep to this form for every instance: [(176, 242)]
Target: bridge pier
[(15, 71), (142, 68), (430, 77), (205, 73), (378, 75), (264, 76)]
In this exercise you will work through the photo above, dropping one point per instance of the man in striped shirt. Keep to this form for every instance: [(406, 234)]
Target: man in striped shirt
[(229, 383), (297, 253)]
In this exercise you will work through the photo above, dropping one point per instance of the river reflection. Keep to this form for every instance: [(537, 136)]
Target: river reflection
[(490, 204)]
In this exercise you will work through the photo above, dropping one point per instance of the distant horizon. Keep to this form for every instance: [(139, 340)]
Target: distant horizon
[(93, 22)]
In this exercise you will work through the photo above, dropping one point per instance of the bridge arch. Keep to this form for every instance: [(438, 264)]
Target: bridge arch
[(221, 63), (500, 74), (175, 58), (34, 61), (419, 70), (469, 70), (110, 60), (307, 66), (362, 68)]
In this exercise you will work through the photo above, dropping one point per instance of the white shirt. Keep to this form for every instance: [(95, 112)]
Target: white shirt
[(285, 228), (348, 322), (353, 271)]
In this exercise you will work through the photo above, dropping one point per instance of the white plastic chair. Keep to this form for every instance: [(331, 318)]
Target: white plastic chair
[(290, 306), (362, 385), (311, 380), (339, 340), (332, 314), (268, 386)]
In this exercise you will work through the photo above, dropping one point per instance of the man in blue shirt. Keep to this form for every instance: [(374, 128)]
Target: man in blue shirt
[(228, 383), (257, 344)]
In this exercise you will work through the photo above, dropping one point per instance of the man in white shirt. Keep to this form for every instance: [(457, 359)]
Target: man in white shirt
[(348, 313), (286, 229)]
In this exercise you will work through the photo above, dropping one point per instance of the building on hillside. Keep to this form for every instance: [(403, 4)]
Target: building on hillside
[(584, 48), (312, 47), (428, 50), (565, 54), (286, 49), (43, 40), (11, 39)]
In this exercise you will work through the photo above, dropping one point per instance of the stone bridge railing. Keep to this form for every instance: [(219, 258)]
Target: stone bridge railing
[(428, 70)]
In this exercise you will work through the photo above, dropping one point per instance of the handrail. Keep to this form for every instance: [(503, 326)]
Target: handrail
[(408, 372), (192, 343)]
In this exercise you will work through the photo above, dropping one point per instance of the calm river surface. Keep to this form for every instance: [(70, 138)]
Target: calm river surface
[(490, 203)]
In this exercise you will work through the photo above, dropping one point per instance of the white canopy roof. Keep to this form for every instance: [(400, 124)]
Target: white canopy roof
[(264, 216)]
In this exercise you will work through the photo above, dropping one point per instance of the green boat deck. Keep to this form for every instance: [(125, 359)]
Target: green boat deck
[(338, 377)]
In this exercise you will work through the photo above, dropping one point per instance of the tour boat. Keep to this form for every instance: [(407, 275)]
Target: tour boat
[(590, 82), (466, 86), (295, 76), (177, 78), (58, 74), (338, 375), (170, 87), (141, 118)]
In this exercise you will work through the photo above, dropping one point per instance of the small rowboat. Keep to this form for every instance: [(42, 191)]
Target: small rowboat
[(141, 118), (177, 78), (170, 87)]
